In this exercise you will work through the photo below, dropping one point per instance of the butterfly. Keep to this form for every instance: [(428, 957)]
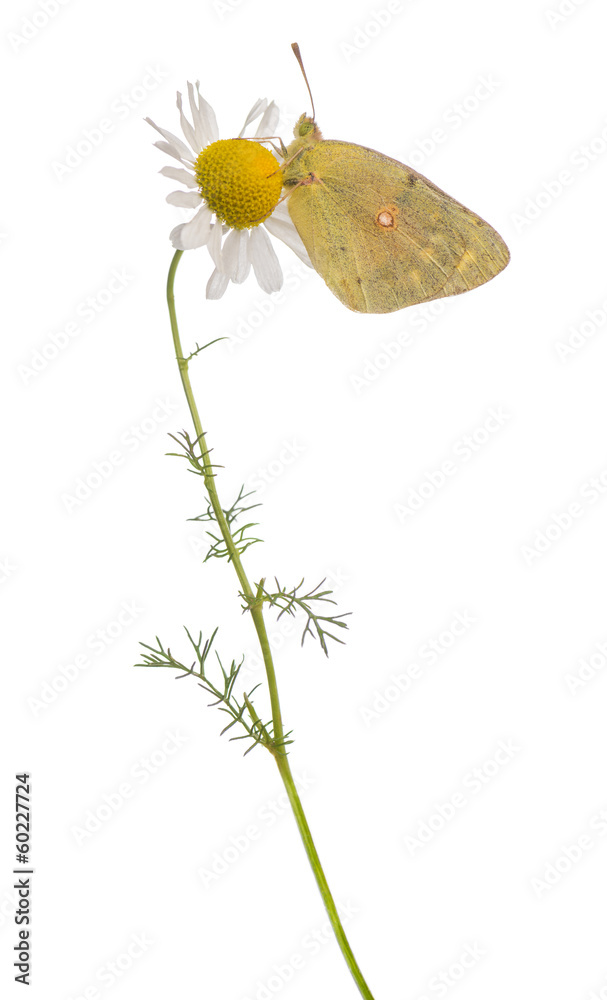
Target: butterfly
[(381, 234)]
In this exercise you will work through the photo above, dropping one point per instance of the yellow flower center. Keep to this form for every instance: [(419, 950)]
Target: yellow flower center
[(240, 181)]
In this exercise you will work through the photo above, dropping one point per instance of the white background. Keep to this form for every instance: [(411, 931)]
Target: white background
[(370, 417)]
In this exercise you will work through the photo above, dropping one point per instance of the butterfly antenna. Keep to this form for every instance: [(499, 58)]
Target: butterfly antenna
[(295, 48)]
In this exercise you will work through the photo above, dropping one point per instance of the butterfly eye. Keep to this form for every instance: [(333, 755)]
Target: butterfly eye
[(304, 127)]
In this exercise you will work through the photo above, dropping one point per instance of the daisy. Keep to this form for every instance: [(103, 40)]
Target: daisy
[(235, 185)]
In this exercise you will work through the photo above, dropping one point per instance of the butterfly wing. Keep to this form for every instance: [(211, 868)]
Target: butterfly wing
[(383, 236)]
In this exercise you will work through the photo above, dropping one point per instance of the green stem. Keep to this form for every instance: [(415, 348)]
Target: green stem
[(262, 635), (209, 482)]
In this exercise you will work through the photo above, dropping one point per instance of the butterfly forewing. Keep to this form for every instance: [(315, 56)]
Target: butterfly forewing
[(383, 236)]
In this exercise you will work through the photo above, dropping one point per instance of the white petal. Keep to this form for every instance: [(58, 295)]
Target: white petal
[(281, 226), (235, 256), (203, 116), (173, 140), (268, 123), (177, 174), (184, 199), (264, 260), (217, 285), (186, 128), (194, 233), (258, 108), (281, 211), (214, 244), (166, 147)]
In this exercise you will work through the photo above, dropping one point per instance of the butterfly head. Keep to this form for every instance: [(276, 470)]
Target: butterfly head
[(307, 134), (306, 128)]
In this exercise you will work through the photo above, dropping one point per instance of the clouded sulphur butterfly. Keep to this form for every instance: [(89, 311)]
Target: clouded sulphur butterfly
[(380, 234)]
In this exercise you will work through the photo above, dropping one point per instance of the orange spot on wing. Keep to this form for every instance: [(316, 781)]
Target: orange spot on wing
[(387, 216)]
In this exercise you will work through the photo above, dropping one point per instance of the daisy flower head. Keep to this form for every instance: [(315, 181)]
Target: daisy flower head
[(235, 186)]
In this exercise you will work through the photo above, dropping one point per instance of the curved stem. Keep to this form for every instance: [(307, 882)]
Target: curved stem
[(256, 609), (323, 885)]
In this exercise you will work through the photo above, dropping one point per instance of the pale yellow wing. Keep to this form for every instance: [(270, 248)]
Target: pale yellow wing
[(383, 236)]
